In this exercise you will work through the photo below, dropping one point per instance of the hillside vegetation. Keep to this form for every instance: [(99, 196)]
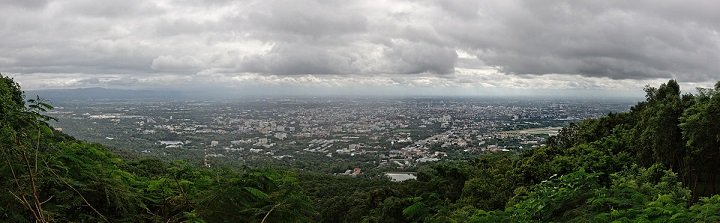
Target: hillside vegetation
[(657, 162)]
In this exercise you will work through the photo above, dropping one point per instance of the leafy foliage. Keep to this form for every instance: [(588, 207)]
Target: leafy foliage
[(651, 164), (48, 176)]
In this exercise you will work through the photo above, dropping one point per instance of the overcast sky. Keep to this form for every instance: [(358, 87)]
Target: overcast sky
[(466, 46)]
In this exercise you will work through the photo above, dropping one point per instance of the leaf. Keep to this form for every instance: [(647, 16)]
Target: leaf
[(416, 210), (257, 193)]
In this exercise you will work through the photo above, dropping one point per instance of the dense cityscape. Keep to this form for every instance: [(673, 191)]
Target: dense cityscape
[(333, 135)]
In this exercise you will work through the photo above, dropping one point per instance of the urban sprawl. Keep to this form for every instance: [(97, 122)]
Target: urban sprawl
[(386, 133)]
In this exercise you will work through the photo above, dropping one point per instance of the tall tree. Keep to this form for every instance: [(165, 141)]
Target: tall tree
[(659, 139), (701, 128)]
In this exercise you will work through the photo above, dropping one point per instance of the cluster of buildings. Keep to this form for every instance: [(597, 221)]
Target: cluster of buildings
[(400, 132)]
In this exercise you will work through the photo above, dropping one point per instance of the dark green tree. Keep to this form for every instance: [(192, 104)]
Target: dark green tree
[(657, 133), (700, 125)]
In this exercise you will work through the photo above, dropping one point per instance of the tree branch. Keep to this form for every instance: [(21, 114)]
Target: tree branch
[(78, 192)]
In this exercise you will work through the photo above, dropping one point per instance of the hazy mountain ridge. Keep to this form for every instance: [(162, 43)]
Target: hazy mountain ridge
[(98, 93)]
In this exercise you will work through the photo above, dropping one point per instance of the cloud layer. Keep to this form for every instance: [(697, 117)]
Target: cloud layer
[(459, 43)]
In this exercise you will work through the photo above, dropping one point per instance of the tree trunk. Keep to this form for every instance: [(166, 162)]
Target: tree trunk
[(712, 183)]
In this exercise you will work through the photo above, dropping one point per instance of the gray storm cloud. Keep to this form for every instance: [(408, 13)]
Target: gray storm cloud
[(616, 39), (134, 40)]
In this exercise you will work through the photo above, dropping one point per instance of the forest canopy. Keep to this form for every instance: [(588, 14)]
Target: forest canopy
[(656, 162)]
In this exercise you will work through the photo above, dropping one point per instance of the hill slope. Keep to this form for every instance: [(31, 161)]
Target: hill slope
[(655, 163)]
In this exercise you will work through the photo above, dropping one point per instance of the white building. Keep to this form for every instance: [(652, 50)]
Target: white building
[(280, 135), (263, 141)]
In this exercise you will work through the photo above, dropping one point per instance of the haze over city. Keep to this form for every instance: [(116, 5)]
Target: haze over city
[(316, 47)]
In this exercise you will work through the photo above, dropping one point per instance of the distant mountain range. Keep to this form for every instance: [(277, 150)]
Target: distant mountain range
[(98, 93)]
